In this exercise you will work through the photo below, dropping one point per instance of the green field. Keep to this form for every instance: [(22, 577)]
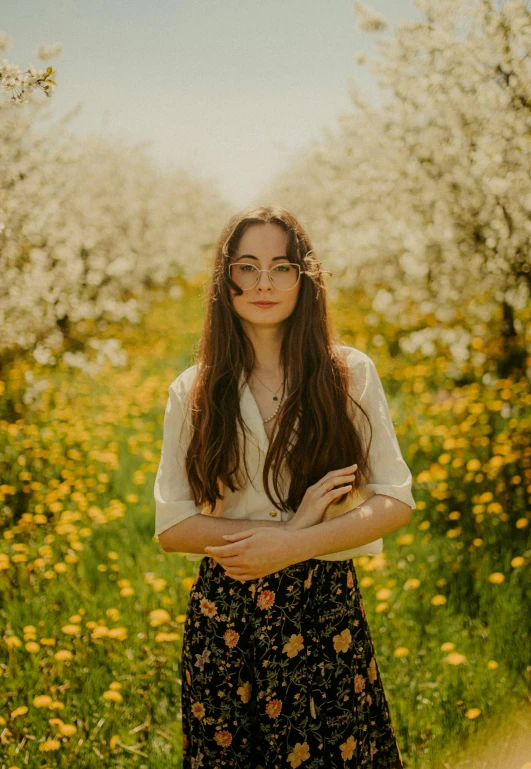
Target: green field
[(92, 608)]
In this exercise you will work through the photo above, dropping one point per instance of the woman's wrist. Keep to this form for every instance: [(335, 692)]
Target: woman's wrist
[(296, 524)]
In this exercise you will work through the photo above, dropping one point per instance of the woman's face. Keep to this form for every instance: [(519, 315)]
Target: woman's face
[(264, 245)]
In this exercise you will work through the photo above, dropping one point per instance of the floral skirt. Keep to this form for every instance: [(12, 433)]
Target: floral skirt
[(280, 672)]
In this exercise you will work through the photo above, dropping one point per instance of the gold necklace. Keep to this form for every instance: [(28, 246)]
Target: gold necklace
[(274, 398)]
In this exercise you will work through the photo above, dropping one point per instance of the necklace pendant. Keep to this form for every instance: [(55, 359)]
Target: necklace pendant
[(275, 398)]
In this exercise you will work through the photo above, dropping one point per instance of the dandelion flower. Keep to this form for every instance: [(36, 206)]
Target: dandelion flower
[(401, 651), (455, 658), (438, 600)]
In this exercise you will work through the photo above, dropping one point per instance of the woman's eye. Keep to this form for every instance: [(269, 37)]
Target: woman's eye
[(243, 266), (282, 268)]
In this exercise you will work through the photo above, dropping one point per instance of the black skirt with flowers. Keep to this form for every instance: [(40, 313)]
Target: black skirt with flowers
[(280, 672)]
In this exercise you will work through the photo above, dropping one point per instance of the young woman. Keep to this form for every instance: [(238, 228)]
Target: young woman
[(279, 463)]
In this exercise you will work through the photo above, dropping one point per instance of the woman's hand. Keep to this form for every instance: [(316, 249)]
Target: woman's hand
[(256, 552), (319, 496)]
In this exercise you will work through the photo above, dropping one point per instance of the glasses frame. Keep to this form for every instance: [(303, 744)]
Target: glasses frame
[(293, 264)]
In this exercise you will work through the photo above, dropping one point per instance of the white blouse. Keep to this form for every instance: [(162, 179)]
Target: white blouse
[(173, 499)]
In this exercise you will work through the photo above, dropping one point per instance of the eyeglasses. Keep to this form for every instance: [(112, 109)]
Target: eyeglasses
[(283, 276)]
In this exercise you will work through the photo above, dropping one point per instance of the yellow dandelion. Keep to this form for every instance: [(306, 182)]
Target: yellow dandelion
[(112, 696), (162, 637), (115, 685), (455, 658), (381, 607), (48, 745), (100, 631), (497, 577), (438, 600), (71, 629), (472, 713), (401, 651), (412, 583), (521, 523), (113, 742), (517, 562), (33, 647), (12, 641), (492, 664), (62, 655), (187, 582), (42, 701), (447, 646), (127, 592), (158, 617), (119, 633), (180, 618), (67, 730), (366, 581), (473, 465), (20, 711), (405, 539), (383, 594)]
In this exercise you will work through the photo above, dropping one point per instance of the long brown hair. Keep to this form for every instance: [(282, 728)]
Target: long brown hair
[(315, 432)]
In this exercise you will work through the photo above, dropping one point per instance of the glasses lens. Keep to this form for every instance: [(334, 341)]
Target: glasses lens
[(283, 276), (244, 275)]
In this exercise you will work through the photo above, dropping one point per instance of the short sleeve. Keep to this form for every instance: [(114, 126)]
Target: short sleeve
[(173, 497), (390, 475)]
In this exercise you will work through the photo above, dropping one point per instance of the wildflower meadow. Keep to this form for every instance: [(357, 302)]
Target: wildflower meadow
[(420, 209)]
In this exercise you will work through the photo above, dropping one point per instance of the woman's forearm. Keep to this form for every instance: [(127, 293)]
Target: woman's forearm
[(378, 516), (198, 531)]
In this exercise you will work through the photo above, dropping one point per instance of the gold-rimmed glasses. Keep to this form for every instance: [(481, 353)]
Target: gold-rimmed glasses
[(283, 276)]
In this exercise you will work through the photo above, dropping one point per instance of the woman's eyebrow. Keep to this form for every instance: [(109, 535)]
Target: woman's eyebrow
[(250, 256)]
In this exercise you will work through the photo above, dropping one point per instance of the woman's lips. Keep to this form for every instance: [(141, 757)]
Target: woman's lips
[(265, 304)]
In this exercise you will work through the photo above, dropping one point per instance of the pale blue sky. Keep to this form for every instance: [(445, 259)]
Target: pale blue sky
[(227, 88)]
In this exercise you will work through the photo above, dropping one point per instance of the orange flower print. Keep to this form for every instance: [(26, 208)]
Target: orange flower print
[(198, 710), (308, 581), (347, 748), (231, 638), (244, 691), (350, 579), (188, 677), (299, 754), (371, 670), (359, 682), (312, 708), (223, 738), (342, 641), (208, 608), (185, 740), (266, 599), (362, 608), (293, 646), (273, 708)]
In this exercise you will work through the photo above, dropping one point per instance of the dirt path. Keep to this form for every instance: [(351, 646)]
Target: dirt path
[(504, 744)]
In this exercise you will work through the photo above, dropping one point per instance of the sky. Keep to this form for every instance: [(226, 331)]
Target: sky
[(228, 89)]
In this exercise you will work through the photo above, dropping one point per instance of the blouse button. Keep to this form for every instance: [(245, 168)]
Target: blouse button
[(273, 513)]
